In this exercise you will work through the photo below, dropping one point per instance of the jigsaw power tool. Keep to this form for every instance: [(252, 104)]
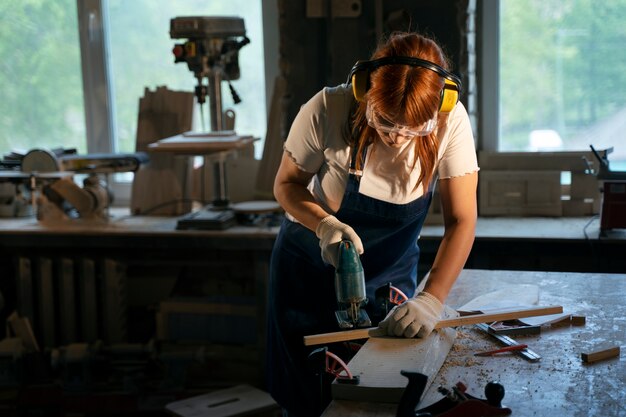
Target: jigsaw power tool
[(350, 288)]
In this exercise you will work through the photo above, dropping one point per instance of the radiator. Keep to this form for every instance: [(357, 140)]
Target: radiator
[(73, 300)]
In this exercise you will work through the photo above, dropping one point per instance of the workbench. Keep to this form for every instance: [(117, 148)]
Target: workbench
[(560, 384)]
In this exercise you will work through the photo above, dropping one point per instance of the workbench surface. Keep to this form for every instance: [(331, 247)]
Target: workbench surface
[(560, 384)]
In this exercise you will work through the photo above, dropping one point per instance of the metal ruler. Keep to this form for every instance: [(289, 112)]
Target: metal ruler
[(507, 341)]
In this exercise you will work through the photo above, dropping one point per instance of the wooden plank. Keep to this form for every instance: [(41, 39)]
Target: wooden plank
[(21, 328), (274, 139), (166, 179), (497, 315), (379, 362), (500, 315), (598, 355)]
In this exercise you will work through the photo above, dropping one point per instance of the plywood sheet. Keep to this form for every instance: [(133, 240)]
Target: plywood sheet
[(379, 362)]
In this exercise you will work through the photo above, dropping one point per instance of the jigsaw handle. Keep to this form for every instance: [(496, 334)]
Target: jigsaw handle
[(349, 276)]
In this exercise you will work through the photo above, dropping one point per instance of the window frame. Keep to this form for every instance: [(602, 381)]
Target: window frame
[(489, 75)]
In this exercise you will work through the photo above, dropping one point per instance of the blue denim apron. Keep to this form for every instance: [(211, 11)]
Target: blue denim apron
[(302, 298)]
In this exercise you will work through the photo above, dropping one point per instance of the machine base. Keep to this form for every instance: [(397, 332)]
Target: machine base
[(208, 218)]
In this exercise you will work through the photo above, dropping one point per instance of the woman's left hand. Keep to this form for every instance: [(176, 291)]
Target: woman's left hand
[(415, 317)]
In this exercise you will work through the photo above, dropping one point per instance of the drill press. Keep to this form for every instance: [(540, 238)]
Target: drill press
[(211, 52), (350, 288)]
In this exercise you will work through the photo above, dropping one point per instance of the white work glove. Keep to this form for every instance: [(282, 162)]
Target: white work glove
[(331, 231), (416, 316)]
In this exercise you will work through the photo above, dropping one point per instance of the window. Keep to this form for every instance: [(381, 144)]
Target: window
[(40, 75), (126, 47), (562, 80)]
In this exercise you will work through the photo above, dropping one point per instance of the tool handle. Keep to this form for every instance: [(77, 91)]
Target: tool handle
[(505, 349)]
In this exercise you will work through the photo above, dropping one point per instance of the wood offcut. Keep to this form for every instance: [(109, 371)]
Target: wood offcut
[(601, 354)]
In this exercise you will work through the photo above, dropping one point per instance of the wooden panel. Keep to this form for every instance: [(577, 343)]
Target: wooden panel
[(379, 362), (165, 179), (532, 161), (520, 193), (578, 208), (584, 186), (274, 139)]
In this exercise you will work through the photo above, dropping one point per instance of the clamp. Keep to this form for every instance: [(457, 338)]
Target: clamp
[(387, 297), (322, 360), (326, 366)]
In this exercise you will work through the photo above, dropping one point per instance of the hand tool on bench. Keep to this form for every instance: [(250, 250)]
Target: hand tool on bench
[(504, 314), (507, 341), (455, 403)]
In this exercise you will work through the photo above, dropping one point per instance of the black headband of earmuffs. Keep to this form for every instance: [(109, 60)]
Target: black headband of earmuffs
[(359, 78)]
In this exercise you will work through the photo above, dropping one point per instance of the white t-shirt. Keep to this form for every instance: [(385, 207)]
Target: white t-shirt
[(316, 145)]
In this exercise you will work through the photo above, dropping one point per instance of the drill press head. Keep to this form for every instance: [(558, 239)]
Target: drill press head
[(350, 288), (211, 51), (212, 44)]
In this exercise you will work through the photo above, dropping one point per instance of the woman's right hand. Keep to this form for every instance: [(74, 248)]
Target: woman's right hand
[(331, 232)]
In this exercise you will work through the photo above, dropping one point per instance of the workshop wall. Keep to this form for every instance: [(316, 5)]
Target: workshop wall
[(321, 40)]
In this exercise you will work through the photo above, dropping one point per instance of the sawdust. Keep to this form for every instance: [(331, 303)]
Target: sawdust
[(461, 353)]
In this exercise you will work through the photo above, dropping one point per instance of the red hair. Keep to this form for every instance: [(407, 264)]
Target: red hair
[(406, 95)]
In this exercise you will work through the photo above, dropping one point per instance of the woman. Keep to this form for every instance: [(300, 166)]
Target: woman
[(360, 163)]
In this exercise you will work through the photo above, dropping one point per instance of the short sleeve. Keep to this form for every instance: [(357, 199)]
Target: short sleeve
[(305, 142), (457, 154)]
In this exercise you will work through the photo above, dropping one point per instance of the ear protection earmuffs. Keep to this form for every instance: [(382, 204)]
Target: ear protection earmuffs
[(360, 74)]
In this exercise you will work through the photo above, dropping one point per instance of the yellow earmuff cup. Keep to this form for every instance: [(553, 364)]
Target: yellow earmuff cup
[(359, 84), (449, 97)]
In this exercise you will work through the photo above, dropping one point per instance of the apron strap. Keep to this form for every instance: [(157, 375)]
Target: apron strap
[(353, 157)]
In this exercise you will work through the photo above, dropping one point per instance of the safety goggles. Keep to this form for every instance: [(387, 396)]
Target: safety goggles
[(385, 126)]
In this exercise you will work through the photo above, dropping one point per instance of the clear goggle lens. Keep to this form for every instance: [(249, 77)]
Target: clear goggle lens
[(382, 125)]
